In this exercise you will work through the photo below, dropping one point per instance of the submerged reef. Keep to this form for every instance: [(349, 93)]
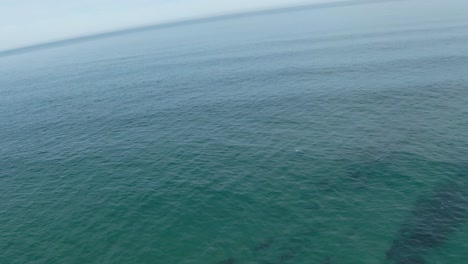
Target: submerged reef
[(433, 220), (227, 261)]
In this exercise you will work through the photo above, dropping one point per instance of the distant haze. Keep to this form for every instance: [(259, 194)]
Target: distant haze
[(28, 22)]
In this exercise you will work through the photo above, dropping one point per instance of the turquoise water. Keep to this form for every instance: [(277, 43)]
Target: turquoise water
[(336, 135)]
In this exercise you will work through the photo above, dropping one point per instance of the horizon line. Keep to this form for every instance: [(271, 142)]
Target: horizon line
[(195, 20)]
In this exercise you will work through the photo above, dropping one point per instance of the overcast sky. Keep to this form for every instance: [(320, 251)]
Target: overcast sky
[(27, 22)]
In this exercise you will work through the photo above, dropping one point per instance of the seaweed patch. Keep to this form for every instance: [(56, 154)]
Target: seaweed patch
[(275, 251), (227, 261), (263, 245), (326, 260), (434, 219)]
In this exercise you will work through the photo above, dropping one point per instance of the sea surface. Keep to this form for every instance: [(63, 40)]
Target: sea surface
[(319, 135)]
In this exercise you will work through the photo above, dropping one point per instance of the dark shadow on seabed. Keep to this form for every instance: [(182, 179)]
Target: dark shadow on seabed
[(58, 43), (434, 219), (436, 216)]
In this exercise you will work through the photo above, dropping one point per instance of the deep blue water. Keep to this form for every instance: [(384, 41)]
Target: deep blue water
[(332, 136)]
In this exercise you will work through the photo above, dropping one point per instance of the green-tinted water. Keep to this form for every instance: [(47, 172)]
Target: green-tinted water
[(316, 136)]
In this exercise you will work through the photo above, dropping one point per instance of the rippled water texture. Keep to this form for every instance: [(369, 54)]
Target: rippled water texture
[(336, 135)]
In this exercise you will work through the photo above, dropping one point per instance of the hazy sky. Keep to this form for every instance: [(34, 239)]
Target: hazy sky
[(26, 22)]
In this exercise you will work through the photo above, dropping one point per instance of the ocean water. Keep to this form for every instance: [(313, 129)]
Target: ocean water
[(332, 135)]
